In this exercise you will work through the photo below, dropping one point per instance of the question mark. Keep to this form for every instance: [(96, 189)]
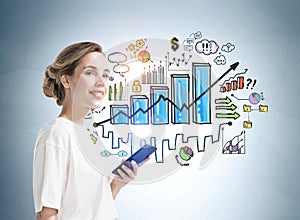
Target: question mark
[(249, 82)]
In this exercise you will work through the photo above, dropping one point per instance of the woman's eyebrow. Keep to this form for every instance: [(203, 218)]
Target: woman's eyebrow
[(94, 67), (89, 66)]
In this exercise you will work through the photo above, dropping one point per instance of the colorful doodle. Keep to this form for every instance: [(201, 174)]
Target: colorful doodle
[(169, 104)]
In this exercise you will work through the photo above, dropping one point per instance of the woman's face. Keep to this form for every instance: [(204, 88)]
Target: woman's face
[(89, 83)]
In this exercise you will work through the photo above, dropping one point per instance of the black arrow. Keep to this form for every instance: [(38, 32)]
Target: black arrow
[(232, 67)]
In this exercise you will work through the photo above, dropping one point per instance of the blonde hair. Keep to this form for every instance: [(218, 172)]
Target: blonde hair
[(65, 63)]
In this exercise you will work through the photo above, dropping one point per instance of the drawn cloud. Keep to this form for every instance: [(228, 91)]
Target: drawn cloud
[(228, 47), (220, 60), (206, 47)]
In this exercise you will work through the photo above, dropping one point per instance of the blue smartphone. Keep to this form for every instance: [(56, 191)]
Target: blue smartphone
[(142, 154)]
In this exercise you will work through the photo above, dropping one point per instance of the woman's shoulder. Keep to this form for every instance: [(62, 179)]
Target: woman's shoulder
[(57, 132)]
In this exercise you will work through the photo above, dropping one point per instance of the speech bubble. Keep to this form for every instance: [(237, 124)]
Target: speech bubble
[(121, 68), (228, 47), (220, 60), (117, 57), (206, 47)]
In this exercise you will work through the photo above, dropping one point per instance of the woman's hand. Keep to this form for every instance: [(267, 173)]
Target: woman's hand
[(124, 177), (47, 214)]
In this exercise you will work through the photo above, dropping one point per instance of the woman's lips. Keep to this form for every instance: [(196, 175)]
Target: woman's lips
[(98, 93)]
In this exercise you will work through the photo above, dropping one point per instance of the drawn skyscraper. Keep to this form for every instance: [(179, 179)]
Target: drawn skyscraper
[(119, 114), (180, 88), (201, 81), (139, 102), (160, 111)]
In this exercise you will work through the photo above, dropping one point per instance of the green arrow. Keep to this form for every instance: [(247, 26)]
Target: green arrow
[(226, 100), (234, 115), (232, 107)]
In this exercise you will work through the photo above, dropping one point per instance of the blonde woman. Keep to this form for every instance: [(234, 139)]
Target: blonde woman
[(65, 185)]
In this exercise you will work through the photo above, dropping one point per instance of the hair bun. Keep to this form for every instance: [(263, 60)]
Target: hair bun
[(49, 82)]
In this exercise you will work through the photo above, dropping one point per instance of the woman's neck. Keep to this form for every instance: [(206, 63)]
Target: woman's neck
[(75, 114)]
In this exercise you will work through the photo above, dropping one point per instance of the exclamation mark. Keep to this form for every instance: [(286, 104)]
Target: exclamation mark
[(254, 82)]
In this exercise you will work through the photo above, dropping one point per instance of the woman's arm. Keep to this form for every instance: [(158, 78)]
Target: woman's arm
[(123, 178), (47, 214)]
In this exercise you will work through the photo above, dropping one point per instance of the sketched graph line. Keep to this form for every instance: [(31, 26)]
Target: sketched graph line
[(228, 80)]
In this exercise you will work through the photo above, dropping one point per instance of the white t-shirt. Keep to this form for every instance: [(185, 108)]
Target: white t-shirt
[(63, 179)]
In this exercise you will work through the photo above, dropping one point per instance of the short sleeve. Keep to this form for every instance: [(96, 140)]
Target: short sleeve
[(49, 174)]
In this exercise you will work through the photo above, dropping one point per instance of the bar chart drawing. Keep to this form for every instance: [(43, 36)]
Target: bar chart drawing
[(138, 107), (160, 112), (201, 80), (233, 84), (180, 87), (180, 103), (155, 76)]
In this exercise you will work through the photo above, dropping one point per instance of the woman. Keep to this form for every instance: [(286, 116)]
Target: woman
[(65, 185)]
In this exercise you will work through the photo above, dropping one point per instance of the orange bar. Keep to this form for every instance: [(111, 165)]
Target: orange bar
[(241, 82), (234, 85), (223, 89), (228, 87)]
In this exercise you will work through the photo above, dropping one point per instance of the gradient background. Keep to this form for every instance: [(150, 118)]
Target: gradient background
[(263, 184)]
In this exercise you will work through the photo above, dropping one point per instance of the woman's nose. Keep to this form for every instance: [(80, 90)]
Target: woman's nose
[(100, 80)]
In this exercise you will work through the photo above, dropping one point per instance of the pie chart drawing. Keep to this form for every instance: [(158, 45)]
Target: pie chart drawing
[(254, 98), (144, 56)]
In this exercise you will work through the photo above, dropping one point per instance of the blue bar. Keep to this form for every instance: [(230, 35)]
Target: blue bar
[(201, 81), (160, 111), (180, 88), (119, 114), (139, 102)]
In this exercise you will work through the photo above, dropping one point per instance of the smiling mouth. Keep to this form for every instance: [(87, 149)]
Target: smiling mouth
[(97, 94)]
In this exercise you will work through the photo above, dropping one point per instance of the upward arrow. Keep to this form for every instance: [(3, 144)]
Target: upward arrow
[(232, 67)]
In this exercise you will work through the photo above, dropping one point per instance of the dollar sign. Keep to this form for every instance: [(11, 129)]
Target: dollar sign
[(174, 42)]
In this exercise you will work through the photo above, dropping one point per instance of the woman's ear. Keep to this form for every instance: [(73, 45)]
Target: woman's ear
[(64, 79)]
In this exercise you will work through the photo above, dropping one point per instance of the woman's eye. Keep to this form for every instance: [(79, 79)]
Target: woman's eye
[(105, 75), (89, 73)]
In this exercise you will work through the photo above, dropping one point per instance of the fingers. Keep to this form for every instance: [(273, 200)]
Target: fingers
[(128, 174), (135, 167), (123, 176)]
